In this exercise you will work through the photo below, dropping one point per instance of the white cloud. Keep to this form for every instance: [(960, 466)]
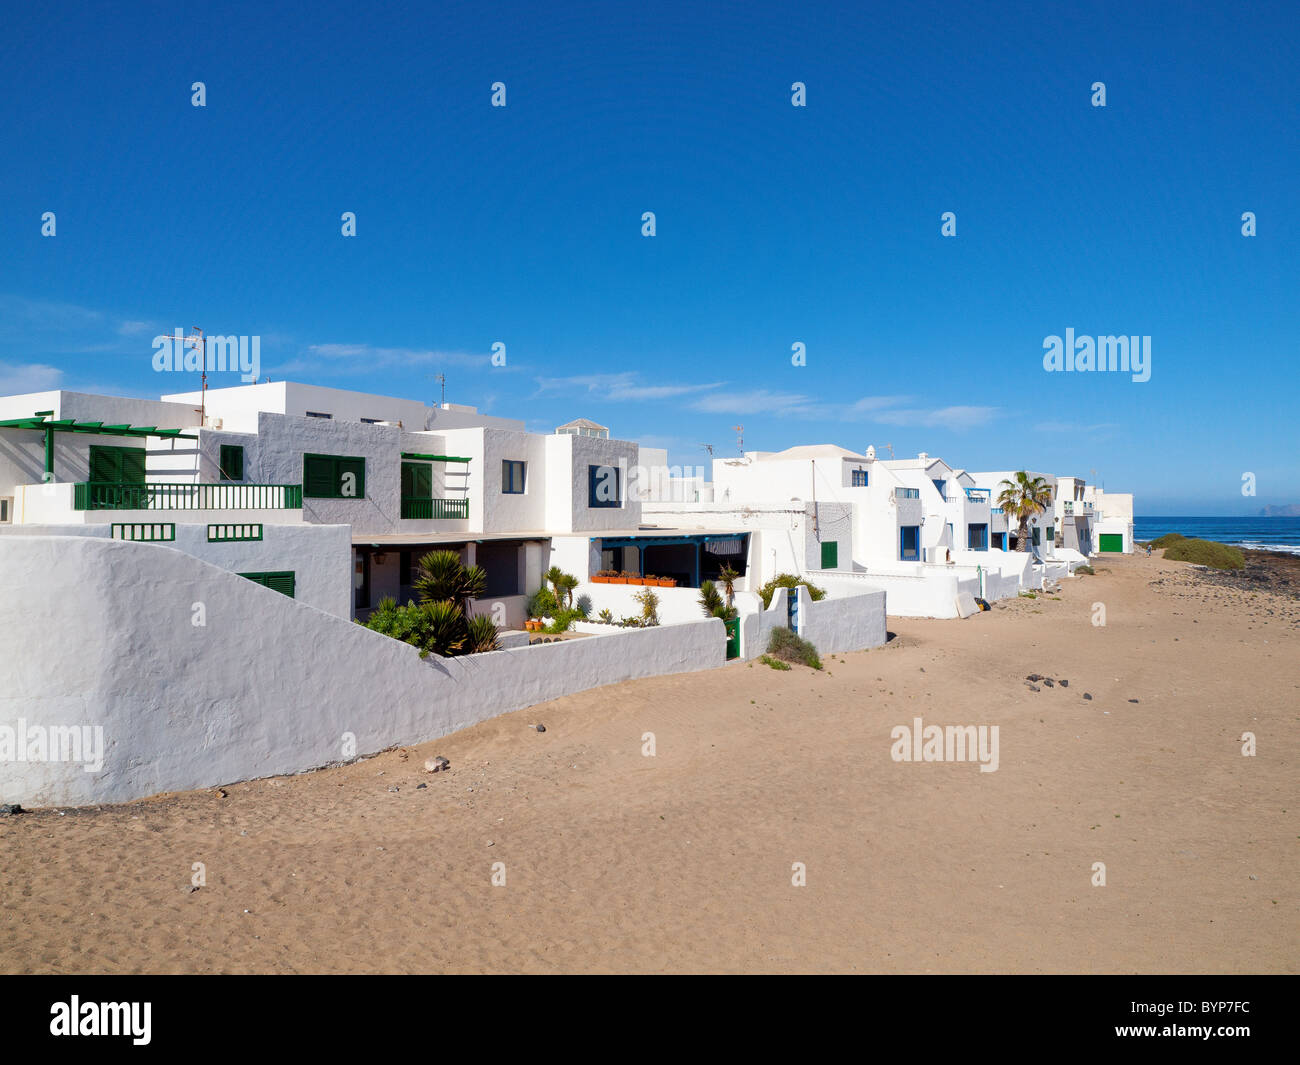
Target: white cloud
[(619, 387), (953, 418), (32, 377)]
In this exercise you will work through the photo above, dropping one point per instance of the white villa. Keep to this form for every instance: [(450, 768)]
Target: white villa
[(134, 536)]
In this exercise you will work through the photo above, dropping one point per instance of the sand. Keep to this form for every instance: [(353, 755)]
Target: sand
[(682, 862)]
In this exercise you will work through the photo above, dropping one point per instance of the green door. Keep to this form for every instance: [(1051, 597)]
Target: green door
[(733, 638), (1112, 542)]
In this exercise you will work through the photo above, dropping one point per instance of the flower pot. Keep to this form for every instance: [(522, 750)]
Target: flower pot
[(599, 580), (617, 580)]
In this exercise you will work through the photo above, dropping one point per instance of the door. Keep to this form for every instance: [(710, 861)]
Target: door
[(115, 476), (1113, 542)]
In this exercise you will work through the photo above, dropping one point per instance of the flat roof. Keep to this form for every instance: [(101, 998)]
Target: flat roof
[(409, 539)]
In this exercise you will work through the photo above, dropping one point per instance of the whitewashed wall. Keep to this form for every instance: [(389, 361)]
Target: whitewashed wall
[(269, 686)]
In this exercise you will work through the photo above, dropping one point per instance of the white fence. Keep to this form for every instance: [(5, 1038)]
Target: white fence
[(198, 677)]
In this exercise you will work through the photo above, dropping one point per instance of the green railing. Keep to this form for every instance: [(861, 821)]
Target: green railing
[(103, 495), (434, 508)]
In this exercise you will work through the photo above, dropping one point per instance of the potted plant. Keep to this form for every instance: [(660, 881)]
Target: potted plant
[(617, 577), (634, 578), (667, 582)]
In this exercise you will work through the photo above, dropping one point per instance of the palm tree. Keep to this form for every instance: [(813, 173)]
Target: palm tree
[(727, 577), (564, 584), (1025, 497)]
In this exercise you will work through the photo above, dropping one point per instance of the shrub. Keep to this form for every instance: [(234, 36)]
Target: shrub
[(649, 606), (1167, 540), (482, 635), (438, 628), (605, 617), (542, 604), (712, 605), (788, 580), (789, 647), (562, 619), (775, 663), (1206, 553), (1085, 569)]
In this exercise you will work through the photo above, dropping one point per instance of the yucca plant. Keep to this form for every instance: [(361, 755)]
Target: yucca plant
[(712, 603), (443, 576), (482, 635), (727, 577), (563, 583)]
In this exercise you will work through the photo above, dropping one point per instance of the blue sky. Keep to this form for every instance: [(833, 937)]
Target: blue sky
[(775, 224)]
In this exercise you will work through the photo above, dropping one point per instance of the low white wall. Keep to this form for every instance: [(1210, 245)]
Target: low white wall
[(102, 632), (675, 604), (843, 623), (932, 595)]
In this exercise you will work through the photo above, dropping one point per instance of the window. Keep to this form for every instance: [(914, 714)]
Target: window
[(1037, 535), (317, 414), (604, 486), (232, 462), (512, 477), (830, 554), (417, 480), (333, 477), (223, 534), (404, 568), (280, 581), (909, 543), (941, 485), (977, 537), (369, 421), (147, 531), (116, 465), (859, 479), (6, 510)]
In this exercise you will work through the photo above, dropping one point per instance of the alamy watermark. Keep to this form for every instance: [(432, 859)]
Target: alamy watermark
[(56, 743), (946, 743), (179, 353), (1117, 354)]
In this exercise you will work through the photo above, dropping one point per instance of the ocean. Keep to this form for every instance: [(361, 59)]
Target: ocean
[(1261, 534)]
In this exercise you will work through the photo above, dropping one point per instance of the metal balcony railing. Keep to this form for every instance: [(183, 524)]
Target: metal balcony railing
[(105, 495), (977, 495), (425, 509)]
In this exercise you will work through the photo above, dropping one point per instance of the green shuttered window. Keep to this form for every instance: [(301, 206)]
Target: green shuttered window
[(830, 554), (279, 581), (333, 477), (116, 465), (232, 462)]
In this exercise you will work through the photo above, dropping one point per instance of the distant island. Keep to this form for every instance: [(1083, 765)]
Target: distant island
[(1283, 510)]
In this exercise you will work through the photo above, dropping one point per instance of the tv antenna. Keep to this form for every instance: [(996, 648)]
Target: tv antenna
[(441, 378), (708, 448), (891, 449), (740, 437), (197, 340)]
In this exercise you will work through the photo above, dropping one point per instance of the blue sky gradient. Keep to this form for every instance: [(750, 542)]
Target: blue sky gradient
[(775, 224)]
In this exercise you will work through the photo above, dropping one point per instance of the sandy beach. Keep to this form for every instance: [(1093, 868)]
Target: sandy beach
[(683, 862)]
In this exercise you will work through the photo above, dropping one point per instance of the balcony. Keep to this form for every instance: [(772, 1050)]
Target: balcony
[(996, 510), (977, 495), (1073, 507), (229, 495), (427, 509), (907, 493)]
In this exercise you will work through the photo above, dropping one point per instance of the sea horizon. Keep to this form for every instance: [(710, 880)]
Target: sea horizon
[(1249, 531)]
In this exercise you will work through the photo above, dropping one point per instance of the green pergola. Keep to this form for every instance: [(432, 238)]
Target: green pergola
[(44, 421)]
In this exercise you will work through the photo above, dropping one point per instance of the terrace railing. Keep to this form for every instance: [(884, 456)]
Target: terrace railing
[(977, 495), (232, 495), (907, 493), (426, 509), (1073, 506)]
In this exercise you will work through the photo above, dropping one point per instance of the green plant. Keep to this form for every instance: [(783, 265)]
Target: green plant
[(1168, 540), (438, 628), (542, 604), (788, 580), (712, 604), (605, 617), (775, 663), (787, 646), (1206, 553), (563, 618), (563, 583), (727, 577), (1088, 570), (482, 635), (1024, 497), (443, 577), (649, 606)]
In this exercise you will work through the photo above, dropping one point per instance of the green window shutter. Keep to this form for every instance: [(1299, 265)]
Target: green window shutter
[(333, 477), (351, 478), (232, 462), (318, 476), (281, 581), (830, 554), (104, 464)]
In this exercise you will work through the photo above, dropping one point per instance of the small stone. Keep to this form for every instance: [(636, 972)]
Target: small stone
[(541, 728), (1253, 876), (1087, 696), (223, 793), (1063, 683), (1035, 688), (189, 889), (437, 765), (394, 789), (1034, 676), (419, 786), (1049, 682), (1132, 700)]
